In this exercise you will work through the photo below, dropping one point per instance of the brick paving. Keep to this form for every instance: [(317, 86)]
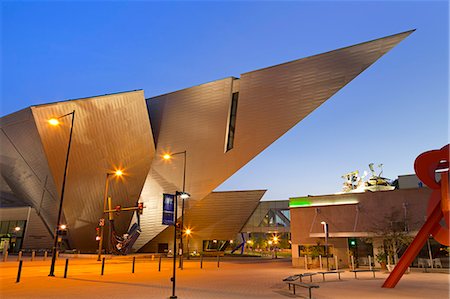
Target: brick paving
[(236, 278)]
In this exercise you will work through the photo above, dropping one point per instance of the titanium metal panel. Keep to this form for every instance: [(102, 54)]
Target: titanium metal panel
[(110, 132), (274, 99), (220, 216), (271, 101), (26, 179), (194, 120)]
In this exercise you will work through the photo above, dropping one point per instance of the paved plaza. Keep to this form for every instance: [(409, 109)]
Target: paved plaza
[(236, 278)]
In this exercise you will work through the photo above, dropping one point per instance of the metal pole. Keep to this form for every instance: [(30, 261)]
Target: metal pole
[(45, 255), (218, 261), (336, 261), (187, 245), (65, 268), (353, 263), (103, 265), (174, 248), (201, 261), (5, 255), (33, 254), (19, 257), (182, 207), (370, 263), (105, 196), (320, 261), (19, 272), (132, 268), (326, 244), (58, 222), (159, 264), (429, 253)]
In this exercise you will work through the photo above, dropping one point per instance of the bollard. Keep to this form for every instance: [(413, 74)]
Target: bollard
[(5, 255), (45, 255), (218, 261), (320, 261), (306, 262), (353, 263), (103, 265), (370, 263), (65, 268), (159, 264), (336, 261), (33, 254), (19, 272), (19, 257), (201, 261), (132, 268), (153, 257), (57, 254)]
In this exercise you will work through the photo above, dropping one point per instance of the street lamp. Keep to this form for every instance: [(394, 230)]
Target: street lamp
[(325, 229), (56, 122), (167, 157), (275, 242), (187, 232), (117, 173), (183, 195)]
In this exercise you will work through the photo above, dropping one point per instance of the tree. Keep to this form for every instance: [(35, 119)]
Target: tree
[(394, 232)]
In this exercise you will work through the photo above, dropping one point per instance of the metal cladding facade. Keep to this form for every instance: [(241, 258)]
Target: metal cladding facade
[(220, 216), (110, 132), (221, 125)]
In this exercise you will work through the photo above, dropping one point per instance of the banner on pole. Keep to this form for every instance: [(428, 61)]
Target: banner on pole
[(168, 209)]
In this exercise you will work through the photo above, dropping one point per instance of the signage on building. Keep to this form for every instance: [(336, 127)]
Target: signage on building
[(168, 209)]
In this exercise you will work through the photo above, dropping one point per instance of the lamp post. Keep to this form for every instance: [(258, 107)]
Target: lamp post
[(183, 196), (117, 173), (275, 242), (168, 157), (325, 229), (187, 232), (56, 122)]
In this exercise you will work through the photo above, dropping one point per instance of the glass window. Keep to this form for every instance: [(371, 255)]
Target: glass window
[(232, 120)]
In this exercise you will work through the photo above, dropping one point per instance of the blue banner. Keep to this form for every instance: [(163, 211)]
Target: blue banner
[(168, 209)]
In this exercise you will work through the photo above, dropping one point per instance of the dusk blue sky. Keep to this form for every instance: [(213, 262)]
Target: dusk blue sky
[(398, 108)]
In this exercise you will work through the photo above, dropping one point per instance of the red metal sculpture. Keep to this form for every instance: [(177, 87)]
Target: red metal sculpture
[(426, 166)]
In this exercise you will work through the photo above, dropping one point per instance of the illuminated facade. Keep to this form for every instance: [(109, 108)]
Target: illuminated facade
[(221, 125)]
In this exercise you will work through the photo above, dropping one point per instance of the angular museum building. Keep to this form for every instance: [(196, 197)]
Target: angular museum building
[(220, 126)]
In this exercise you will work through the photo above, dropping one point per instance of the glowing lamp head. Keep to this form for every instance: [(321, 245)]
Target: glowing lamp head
[(53, 121), (184, 195), (63, 226), (188, 232), (118, 172), (17, 228), (97, 238), (167, 157), (323, 223), (275, 239), (270, 242)]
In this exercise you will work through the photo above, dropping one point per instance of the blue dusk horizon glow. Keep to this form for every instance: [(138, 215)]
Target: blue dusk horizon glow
[(392, 112)]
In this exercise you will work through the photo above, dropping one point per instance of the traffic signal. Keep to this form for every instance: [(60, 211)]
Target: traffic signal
[(140, 208)]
